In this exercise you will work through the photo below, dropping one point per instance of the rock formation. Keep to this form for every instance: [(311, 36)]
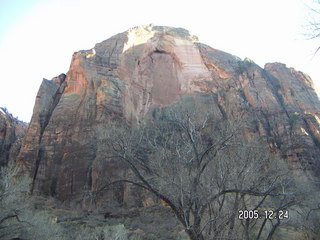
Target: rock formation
[(11, 133), (146, 67)]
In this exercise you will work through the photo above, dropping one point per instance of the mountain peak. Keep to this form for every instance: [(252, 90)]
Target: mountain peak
[(146, 68)]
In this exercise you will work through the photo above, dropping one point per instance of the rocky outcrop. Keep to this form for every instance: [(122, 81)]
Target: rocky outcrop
[(47, 99), (11, 133), (132, 73)]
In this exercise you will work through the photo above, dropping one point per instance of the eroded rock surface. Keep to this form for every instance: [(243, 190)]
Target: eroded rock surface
[(11, 133), (146, 67)]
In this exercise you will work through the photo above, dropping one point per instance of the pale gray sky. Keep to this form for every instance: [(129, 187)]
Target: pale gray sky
[(38, 38)]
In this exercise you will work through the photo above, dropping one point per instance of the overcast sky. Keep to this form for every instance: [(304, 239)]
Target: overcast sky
[(38, 37)]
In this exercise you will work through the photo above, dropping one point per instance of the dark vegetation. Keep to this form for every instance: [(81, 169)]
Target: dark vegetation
[(200, 167), (203, 169), (27, 217)]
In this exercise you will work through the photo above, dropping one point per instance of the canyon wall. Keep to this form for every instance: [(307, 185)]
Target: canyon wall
[(12, 132), (148, 67)]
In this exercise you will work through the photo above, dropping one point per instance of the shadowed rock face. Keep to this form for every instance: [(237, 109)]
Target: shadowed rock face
[(11, 133), (146, 67)]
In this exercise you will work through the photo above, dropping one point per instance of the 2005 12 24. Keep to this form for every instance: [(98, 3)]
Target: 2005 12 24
[(258, 214)]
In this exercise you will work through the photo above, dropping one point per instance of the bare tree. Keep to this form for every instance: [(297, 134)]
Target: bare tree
[(12, 193), (313, 27), (198, 163), (18, 216)]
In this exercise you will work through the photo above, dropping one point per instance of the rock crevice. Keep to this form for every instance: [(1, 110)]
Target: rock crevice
[(133, 74)]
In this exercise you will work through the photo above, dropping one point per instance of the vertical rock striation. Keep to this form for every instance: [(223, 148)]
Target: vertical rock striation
[(11, 133), (129, 75)]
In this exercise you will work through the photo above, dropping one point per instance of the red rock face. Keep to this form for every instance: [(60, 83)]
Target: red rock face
[(76, 79), (11, 133), (146, 67)]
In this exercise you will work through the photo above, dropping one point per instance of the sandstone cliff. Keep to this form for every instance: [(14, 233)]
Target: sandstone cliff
[(11, 133), (134, 72)]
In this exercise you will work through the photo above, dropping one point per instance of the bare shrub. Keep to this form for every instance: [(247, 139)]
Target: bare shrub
[(199, 164)]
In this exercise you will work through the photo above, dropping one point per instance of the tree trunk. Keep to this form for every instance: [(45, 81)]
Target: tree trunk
[(192, 233)]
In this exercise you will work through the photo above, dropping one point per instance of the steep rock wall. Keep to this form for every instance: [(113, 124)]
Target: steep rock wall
[(12, 132), (129, 75)]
